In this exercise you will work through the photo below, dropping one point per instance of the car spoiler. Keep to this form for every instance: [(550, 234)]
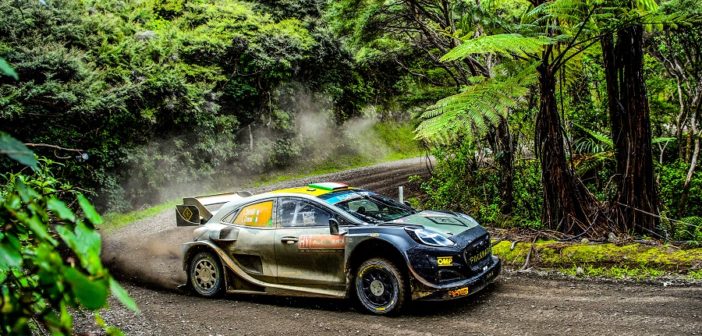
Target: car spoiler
[(194, 211)]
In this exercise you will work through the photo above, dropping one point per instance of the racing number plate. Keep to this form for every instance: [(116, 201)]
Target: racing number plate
[(458, 292)]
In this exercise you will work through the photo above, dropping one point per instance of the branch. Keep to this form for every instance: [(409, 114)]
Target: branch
[(54, 147), (575, 38), (564, 61), (82, 156)]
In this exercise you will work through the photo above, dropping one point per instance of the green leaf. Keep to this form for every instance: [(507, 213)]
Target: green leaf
[(60, 209), (7, 70), (92, 294), (17, 151), (9, 256), (39, 228), (109, 330), (122, 295), (89, 210), (88, 240), (85, 242), (25, 192)]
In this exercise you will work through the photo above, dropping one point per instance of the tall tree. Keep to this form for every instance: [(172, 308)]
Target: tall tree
[(550, 39), (635, 204), (430, 29)]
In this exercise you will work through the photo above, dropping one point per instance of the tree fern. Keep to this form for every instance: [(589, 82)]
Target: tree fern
[(503, 44), (472, 111)]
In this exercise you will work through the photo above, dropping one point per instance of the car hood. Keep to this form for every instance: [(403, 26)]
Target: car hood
[(448, 223)]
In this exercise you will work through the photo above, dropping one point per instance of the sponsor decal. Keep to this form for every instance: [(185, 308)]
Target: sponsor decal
[(480, 255), (258, 215), (444, 261), (322, 242), (187, 214), (458, 292)]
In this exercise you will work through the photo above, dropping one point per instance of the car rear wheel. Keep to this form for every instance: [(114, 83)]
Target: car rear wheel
[(206, 275), (380, 287)]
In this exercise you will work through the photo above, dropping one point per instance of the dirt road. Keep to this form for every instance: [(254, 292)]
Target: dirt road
[(515, 305), (149, 252)]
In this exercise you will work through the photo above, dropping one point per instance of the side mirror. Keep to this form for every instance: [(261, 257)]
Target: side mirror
[(408, 204), (334, 227)]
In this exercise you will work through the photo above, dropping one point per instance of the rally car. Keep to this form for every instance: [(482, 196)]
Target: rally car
[(332, 240)]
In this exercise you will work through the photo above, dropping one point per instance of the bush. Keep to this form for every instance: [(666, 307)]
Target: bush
[(689, 228), (459, 183), (671, 180), (49, 253)]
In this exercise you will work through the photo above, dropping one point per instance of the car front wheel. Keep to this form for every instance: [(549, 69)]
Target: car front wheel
[(380, 287), (206, 276)]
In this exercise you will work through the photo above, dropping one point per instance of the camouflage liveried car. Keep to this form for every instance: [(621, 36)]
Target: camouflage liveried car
[(332, 240)]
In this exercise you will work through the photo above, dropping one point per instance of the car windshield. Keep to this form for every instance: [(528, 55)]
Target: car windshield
[(368, 206)]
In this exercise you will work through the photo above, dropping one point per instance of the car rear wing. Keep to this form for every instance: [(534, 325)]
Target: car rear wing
[(198, 210)]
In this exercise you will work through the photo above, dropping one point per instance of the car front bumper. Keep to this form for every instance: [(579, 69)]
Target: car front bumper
[(462, 288)]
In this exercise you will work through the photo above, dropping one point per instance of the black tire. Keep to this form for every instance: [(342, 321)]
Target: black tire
[(380, 287), (205, 274)]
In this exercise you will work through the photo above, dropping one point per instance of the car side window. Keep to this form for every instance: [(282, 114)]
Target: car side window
[(363, 206), (300, 213), (256, 215)]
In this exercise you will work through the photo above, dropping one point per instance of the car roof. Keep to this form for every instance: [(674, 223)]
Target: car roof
[(313, 189)]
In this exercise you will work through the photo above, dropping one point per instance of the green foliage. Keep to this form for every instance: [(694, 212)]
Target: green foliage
[(689, 228), (476, 108), (49, 255), (502, 44), (671, 179), (160, 92), (460, 182)]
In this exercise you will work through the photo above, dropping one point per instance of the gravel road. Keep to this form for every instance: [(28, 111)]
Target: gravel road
[(146, 256)]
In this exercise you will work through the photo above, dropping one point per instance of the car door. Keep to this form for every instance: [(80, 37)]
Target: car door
[(306, 253), (253, 248)]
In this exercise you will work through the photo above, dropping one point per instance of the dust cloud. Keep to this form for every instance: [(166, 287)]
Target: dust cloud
[(301, 121), (300, 131)]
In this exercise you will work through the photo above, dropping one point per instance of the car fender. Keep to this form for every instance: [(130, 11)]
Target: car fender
[(356, 241)]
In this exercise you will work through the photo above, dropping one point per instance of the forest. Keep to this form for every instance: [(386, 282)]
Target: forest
[(575, 116)]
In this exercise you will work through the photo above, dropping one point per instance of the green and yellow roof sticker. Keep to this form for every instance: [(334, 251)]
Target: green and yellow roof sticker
[(314, 189)]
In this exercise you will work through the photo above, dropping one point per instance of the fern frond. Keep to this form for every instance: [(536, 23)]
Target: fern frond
[(504, 44), (586, 163), (472, 112), (601, 137)]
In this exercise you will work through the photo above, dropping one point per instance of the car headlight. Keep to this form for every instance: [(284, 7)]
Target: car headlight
[(429, 237)]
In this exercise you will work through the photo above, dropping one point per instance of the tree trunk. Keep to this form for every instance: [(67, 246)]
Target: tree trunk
[(505, 159), (565, 200), (635, 205)]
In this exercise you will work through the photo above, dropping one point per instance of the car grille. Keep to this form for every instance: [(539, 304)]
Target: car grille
[(476, 254)]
